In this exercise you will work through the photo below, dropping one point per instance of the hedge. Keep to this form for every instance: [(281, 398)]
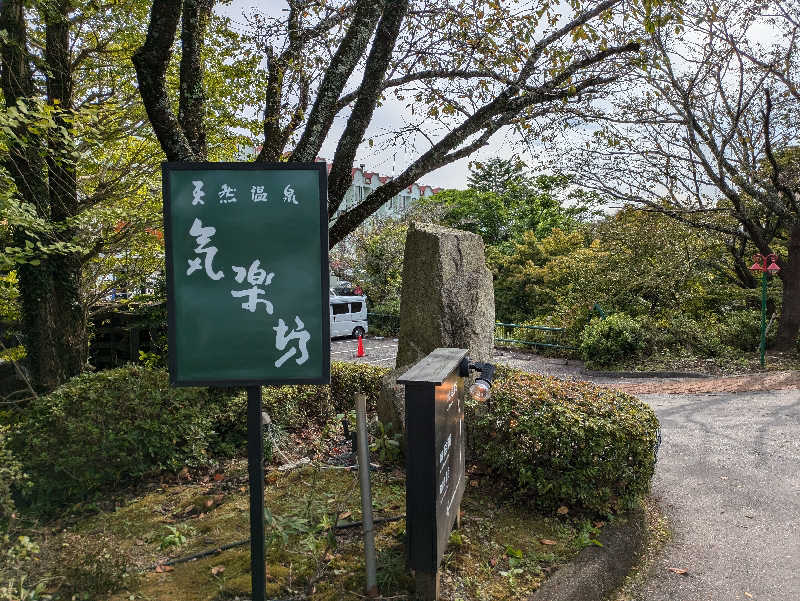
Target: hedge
[(293, 407), (555, 442), (107, 429), (565, 442)]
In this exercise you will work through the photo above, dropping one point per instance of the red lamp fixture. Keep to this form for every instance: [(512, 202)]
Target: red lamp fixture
[(761, 264)]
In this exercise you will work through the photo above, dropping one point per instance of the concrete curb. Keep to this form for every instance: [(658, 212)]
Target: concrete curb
[(643, 374), (597, 571)]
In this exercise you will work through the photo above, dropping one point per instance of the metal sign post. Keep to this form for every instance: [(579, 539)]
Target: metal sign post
[(435, 475), (246, 249), (255, 470)]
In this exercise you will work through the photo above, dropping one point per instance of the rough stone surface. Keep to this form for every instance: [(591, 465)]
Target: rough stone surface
[(391, 402), (447, 298), (599, 570)]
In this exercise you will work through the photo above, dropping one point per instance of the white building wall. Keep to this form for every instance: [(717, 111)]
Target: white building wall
[(365, 182)]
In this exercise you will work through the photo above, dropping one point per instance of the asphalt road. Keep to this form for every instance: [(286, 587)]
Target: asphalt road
[(728, 477)]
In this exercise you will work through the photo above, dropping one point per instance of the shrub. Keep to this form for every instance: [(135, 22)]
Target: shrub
[(565, 442), (291, 407), (18, 558), (11, 477), (109, 428), (349, 378), (608, 341), (90, 567)]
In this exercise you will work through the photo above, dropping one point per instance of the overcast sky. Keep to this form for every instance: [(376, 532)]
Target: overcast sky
[(394, 159)]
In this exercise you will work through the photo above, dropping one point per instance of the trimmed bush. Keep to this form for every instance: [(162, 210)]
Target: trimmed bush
[(292, 407), (608, 341), (349, 378), (107, 429), (565, 442)]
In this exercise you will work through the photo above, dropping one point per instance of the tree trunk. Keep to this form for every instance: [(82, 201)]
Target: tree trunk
[(52, 316), (789, 323)]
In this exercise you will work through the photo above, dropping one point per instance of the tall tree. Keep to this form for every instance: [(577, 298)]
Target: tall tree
[(707, 137), (45, 178), (79, 174), (467, 71)]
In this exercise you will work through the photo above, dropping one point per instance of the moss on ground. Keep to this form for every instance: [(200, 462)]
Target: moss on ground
[(502, 551)]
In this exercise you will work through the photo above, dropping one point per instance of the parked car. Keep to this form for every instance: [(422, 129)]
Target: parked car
[(348, 316)]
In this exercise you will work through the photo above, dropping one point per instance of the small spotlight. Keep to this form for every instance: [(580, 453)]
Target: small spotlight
[(481, 390)]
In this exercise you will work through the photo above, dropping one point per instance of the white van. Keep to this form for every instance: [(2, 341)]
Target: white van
[(348, 316)]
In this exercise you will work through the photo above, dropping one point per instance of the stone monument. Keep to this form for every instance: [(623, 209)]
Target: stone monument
[(447, 300)]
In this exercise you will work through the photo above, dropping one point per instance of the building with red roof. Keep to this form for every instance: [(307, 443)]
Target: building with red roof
[(365, 182)]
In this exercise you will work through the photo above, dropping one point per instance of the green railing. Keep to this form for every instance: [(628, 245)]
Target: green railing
[(389, 325), (505, 331)]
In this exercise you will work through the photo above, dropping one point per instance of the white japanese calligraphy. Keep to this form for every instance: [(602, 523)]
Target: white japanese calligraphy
[(258, 194), (202, 236), (281, 339), (257, 277), (227, 194), (197, 193), (288, 195)]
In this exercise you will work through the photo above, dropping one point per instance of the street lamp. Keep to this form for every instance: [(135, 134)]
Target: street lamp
[(760, 264)]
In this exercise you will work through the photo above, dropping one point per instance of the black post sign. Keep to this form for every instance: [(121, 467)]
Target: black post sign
[(246, 248), (435, 477)]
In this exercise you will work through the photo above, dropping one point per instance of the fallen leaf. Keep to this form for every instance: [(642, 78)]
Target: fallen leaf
[(563, 510), (680, 571), (345, 515), (547, 541), (748, 595), (493, 562), (217, 570), (159, 569), (473, 483), (209, 502), (218, 477), (169, 569), (599, 524)]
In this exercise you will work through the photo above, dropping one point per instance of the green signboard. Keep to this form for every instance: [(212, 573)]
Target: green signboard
[(247, 273)]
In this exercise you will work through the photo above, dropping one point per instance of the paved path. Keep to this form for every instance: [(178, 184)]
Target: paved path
[(728, 478)]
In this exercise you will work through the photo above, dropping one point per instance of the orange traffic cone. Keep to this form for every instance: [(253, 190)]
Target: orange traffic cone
[(360, 351)]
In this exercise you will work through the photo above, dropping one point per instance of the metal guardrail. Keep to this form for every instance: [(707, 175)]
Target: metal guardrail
[(532, 343)]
